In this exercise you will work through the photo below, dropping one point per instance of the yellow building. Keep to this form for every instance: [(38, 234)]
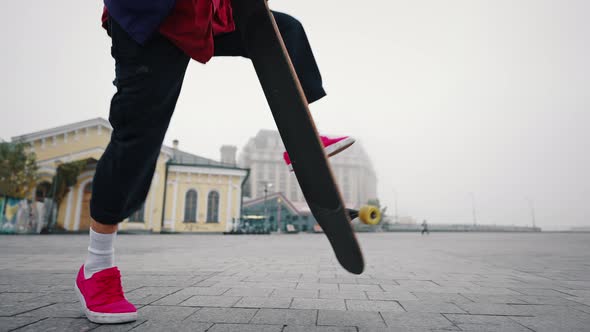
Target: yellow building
[(188, 193)]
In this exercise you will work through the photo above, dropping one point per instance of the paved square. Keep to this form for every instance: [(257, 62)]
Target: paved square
[(441, 282)]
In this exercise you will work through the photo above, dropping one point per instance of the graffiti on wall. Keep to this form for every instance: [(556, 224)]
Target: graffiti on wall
[(21, 216)]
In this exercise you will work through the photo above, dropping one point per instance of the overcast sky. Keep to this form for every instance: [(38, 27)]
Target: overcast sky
[(448, 97)]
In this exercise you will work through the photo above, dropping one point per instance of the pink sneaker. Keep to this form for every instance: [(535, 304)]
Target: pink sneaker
[(103, 299), (332, 146)]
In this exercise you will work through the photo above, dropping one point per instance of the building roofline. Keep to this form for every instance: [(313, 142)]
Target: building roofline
[(272, 196), (62, 129), (171, 163)]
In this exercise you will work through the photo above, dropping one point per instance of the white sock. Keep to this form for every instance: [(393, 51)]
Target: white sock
[(101, 254)]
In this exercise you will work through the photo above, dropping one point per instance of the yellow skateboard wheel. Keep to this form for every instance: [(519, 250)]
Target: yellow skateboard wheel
[(370, 215)]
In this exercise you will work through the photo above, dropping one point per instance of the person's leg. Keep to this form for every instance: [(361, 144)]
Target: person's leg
[(307, 70), (148, 81), (298, 47)]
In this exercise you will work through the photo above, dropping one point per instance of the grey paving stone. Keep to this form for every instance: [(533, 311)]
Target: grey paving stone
[(293, 328), (176, 326), (356, 287), (71, 310), (371, 305), (291, 293), (327, 304), (245, 328), (417, 283), (338, 280), (24, 287), (211, 301), (60, 325), (554, 280), (11, 309), (486, 323), (409, 320), (350, 318), (440, 297), (403, 329), (58, 297), (490, 291), (350, 295), (316, 286), (127, 326), (12, 323), (285, 316), (184, 294), (367, 281), (540, 292), (18, 297), (223, 315), (149, 294), (510, 309), (264, 302), (259, 292), (392, 295), (500, 299), (270, 284), (428, 306), (534, 299), (551, 323), (579, 292), (164, 313)]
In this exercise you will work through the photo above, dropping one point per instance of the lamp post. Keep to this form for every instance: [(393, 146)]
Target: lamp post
[(266, 186), (279, 214), (395, 201), (532, 207), (473, 209)]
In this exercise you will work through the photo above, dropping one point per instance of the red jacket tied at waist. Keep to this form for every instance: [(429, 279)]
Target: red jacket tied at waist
[(192, 24)]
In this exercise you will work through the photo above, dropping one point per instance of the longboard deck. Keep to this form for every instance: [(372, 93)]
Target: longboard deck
[(290, 110)]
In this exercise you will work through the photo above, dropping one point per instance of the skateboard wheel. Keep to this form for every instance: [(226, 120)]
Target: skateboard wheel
[(370, 215)]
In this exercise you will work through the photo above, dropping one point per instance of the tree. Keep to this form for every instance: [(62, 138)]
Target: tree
[(18, 169), (66, 177)]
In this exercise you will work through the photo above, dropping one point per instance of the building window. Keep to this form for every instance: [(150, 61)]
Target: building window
[(213, 207), (190, 206), (138, 216)]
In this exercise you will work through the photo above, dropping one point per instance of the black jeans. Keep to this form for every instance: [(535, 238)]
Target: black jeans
[(148, 80)]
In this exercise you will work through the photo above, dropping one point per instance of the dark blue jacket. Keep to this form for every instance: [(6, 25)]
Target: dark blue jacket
[(140, 18)]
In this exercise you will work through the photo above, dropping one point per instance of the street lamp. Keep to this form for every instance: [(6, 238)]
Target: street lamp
[(279, 214), (266, 186), (532, 207), (473, 209)]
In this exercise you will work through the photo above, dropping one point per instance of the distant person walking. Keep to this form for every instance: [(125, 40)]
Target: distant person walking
[(425, 228)]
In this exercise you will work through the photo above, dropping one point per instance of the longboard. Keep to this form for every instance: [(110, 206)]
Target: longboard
[(289, 107)]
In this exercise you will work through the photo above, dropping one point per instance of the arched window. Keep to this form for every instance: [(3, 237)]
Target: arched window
[(138, 216), (190, 206), (213, 207)]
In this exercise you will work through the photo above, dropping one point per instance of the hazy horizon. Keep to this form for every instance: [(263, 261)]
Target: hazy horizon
[(448, 98)]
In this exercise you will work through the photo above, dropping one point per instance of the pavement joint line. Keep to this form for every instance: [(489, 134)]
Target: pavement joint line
[(518, 323), (24, 312), (400, 304), (491, 315), (133, 328), (465, 297), (382, 318), (35, 322)]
